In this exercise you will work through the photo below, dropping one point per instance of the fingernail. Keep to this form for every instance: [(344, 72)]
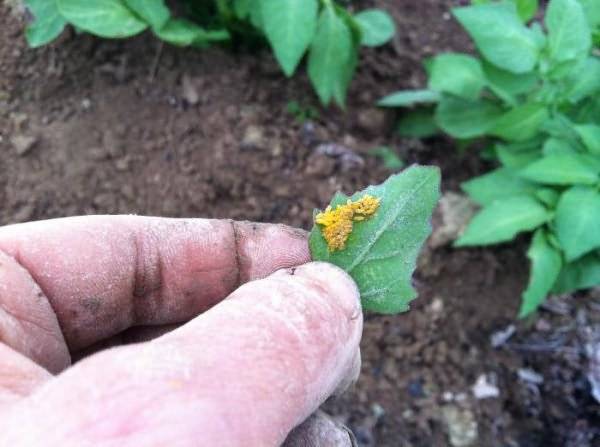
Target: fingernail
[(320, 430)]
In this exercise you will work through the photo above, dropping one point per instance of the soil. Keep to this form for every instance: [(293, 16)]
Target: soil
[(92, 126)]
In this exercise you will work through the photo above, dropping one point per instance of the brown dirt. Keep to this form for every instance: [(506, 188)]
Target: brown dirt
[(133, 127)]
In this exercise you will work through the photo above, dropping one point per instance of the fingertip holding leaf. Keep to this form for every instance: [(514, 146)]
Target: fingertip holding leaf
[(380, 248)]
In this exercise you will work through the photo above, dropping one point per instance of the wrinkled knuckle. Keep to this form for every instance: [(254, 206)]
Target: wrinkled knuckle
[(148, 276)]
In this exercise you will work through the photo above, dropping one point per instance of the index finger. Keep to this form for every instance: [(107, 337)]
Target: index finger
[(104, 274)]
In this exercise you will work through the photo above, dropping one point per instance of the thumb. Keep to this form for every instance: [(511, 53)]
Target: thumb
[(244, 373)]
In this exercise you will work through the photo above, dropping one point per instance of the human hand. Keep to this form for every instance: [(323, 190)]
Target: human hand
[(238, 355)]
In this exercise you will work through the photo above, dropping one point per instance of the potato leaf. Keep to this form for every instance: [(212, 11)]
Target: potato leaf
[(332, 56), (462, 118), (381, 252), (561, 169), (104, 18), (495, 185), (155, 12), (48, 23), (569, 34), (459, 74), (501, 220), (376, 25), (590, 134), (418, 123), (579, 274), (500, 35), (545, 267), (521, 123), (578, 221), (407, 98), (289, 26), (182, 32)]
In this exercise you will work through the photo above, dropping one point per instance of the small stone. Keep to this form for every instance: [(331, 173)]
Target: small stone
[(542, 325), (319, 165), (529, 375), (189, 91), (373, 121), (253, 138), (447, 396), (18, 120), (86, 104), (592, 350), (500, 337), (451, 218), (437, 306), (461, 425), (483, 389), (349, 160), (23, 144), (97, 154), (122, 164), (112, 145)]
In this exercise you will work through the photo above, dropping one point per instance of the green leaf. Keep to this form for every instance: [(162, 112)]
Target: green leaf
[(546, 263), (590, 135), (332, 57), (458, 74), (418, 123), (462, 118), (592, 12), (407, 98), (48, 23), (521, 123), (104, 18), (557, 146), (526, 9), (376, 25), (508, 85), (241, 8), (500, 221), (561, 169), (580, 274), (389, 157), (519, 153), (547, 196), (381, 252), (500, 36), (290, 27), (495, 185), (585, 81), (182, 32), (577, 221), (153, 12), (569, 34)]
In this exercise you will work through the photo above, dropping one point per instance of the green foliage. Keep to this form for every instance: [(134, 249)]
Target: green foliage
[(377, 27), (389, 157), (502, 220), (48, 23), (290, 27), (500, 35), (332, 56), (330, 35), (381, 252), (300, 112), (534, 93)]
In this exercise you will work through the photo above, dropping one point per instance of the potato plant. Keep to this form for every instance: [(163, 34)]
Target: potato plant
[(375, 235), (327, 33), (534, 93)]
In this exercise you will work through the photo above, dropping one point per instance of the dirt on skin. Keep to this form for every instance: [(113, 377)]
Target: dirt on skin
[(93, 126)]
